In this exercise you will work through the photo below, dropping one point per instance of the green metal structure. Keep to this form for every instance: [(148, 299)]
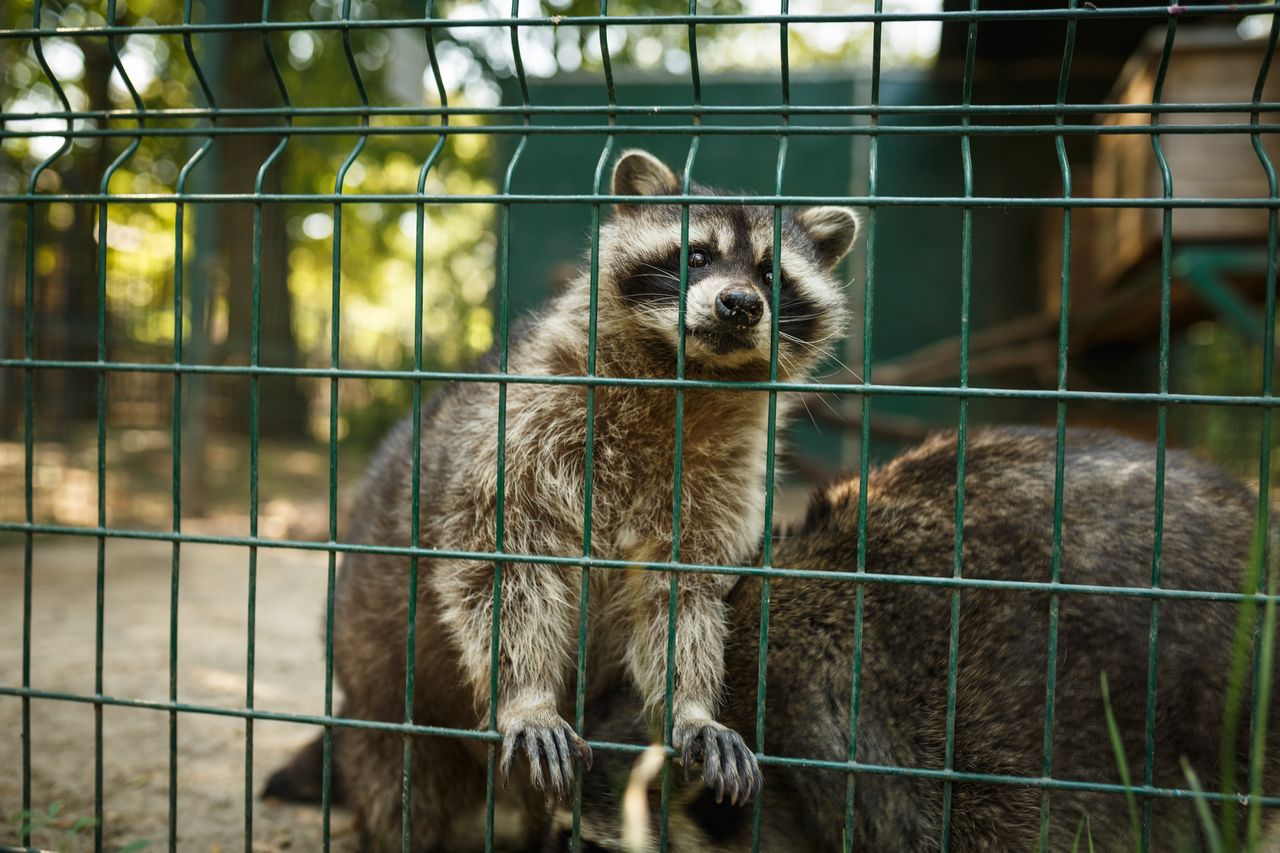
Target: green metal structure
[(776, 128)]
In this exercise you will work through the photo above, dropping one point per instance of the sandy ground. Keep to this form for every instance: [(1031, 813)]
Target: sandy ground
[(212, 609), (213, 627)]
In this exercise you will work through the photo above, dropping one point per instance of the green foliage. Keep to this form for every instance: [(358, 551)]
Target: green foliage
[(65, 832), (1215, 358), (1212, 837), (1266, 656), (1222, 835), (1122, 764), (1082, 827), (1236, 701), (378, 241)]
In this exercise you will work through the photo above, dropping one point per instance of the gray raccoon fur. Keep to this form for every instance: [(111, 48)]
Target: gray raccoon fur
[(1108, 513), (727, 323)]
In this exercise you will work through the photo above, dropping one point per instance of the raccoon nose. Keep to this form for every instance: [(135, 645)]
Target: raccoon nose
[(739, 306)]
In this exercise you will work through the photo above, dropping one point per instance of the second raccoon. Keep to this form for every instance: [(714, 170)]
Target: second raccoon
[(998, 710)]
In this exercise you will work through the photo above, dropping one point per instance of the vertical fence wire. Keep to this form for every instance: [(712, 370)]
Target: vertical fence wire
[(335, 340), (28, 413), (966, 271), (415, 473), (28, 410), (1162, 423), (100, 614), (771, 424), (504, 328), (179, 355), (589, 438), (1263, 579), (864, 438), (1060, 438), (677, 476), (255, 354), (678, 453)]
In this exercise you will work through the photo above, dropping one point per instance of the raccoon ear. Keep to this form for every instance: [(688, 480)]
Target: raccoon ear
[(832, 230), (640, 173)]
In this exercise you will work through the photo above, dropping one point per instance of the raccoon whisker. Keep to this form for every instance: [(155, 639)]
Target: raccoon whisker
[(821, 351), (649, 309), (815, 342), (646, 275), (651, 313), (654, 294), (790, 364), (822, 397), (807, 411), (801, 341), (659, 271), (846, 367), (665, 272)]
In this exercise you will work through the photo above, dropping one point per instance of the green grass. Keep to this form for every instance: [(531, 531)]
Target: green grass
[(1082, 827), (1122, 764), (52, 822), (1221, 834)]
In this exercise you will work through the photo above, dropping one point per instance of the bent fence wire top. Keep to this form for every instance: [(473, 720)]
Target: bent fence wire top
[(208, 113)]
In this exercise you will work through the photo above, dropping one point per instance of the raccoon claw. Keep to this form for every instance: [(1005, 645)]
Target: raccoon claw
[(729, 767), (556, 745)]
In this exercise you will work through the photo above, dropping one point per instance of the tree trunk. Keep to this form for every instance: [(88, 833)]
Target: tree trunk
[(283, 403), (75, 336)]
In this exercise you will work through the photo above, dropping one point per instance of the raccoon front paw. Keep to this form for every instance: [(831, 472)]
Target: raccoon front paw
[(550, 741), (728, 767)]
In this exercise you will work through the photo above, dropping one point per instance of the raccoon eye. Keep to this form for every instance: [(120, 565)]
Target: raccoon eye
[(768, 278), (698, 258)]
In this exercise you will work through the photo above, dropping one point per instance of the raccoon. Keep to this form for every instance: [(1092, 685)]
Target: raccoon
[(727, 331), (1106, 540)]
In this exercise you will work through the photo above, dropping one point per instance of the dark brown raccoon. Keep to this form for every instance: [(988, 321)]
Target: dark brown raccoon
[(1108, 516)]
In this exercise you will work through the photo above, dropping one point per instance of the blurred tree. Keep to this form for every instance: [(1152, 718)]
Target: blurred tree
[(239, 58), (376, 272)]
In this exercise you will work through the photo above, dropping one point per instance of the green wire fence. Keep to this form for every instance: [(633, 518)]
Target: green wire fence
[(206, 123)]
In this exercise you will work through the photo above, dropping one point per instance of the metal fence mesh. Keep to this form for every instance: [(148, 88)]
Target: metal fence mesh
[(205, 122)]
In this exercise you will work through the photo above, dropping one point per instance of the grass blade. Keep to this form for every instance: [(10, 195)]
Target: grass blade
[(1253, 832), (1235, 701), (1212, 838), (1122, 764)]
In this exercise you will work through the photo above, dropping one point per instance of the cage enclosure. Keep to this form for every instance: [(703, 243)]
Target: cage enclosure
[(240, 241)]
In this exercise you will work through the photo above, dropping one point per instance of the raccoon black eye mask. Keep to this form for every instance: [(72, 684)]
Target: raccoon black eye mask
[(730, 304)]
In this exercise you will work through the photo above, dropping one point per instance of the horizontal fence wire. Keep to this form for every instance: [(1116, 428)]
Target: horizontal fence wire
[(719, 201), (515, 124), (688, 20), (864, 389), (633, 749), (365, 132), (622, 565)]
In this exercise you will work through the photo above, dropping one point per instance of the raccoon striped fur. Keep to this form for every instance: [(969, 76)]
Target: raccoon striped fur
[(727, 331)]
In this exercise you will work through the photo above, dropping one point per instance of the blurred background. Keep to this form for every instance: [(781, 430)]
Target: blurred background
[(1218, 269), (376, 270), (1218, 262)]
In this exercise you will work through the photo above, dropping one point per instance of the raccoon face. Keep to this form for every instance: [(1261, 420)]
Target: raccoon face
[(730, 306)]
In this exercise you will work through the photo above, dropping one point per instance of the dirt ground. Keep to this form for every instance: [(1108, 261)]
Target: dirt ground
[(212, 610), (212, 642)]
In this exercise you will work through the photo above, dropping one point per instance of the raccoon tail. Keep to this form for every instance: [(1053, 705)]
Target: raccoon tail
[(301, 780)]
